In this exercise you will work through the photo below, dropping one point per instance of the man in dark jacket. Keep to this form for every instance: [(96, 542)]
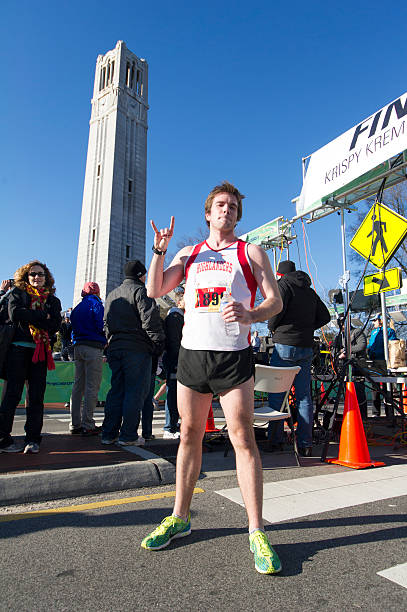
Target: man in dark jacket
[(293, 332), (65, 333), (88, 340), (134, 331), (173, 324)]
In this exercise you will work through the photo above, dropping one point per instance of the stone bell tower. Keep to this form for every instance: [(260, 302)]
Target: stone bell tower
[(113, 222)]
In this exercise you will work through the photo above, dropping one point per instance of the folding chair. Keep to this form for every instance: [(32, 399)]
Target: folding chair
[(270, 379)]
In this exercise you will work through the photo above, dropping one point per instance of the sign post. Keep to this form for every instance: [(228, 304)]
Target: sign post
[(385, 335), (345, 286), (377, 239)]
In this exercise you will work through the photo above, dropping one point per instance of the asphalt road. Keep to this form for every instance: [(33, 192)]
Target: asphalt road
[(91, 559)]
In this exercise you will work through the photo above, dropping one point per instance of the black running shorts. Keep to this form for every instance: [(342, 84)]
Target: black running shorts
[(214, 371)]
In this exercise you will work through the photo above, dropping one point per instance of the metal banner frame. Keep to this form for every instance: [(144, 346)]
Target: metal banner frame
[(394, 170)]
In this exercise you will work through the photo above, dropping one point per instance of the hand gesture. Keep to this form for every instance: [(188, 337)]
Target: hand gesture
[(5, 285), (162, 236)]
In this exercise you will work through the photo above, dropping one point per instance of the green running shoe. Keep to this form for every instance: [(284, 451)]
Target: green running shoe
[(266, 559), (170, 528)]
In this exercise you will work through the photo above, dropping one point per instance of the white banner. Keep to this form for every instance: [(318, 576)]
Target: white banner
[(351, 155)]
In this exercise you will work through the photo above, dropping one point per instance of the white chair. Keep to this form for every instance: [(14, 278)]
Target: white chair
[(270, 379)]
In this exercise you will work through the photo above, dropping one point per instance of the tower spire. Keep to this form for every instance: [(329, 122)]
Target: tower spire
[(113, 220)]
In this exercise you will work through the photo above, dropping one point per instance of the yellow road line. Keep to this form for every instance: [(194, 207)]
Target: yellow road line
[(104, 504)]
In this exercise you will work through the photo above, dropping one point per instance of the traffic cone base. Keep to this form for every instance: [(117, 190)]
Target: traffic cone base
[(353, 450), (210, 423), (356, 466)]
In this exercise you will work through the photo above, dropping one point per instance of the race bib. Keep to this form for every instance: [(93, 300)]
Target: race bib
[(208, 299)]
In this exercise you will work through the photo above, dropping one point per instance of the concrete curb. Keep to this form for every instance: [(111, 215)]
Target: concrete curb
[(73, 482)]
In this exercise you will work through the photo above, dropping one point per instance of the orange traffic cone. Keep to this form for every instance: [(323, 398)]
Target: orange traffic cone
[(210, 423), (404, 399), (321, 392), (353, 450)]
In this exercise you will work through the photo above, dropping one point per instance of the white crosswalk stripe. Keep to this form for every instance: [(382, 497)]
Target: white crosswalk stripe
[(289, 499), (397, 574)]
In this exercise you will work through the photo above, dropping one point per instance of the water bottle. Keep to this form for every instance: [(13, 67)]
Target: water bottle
[(231, 327)]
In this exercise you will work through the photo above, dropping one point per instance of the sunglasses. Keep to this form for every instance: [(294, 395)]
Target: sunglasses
[(36, 274)]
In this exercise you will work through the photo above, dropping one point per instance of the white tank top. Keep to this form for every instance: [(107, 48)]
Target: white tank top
[(208, 273)]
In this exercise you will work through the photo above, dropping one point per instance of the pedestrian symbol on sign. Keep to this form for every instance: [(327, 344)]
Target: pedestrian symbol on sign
[(377, 229), (380, 234)]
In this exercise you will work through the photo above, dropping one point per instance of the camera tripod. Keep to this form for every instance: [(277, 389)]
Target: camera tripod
[(339, 380)]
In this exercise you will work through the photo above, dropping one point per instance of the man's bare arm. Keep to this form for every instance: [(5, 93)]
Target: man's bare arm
[(272, 303), (267, 283), (160, 281)]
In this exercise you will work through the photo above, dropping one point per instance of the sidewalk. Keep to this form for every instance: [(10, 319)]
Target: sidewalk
[(79, 465), (69, 466), (61, 451)]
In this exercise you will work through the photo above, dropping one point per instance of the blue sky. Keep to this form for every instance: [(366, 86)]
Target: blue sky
[(237, 91)]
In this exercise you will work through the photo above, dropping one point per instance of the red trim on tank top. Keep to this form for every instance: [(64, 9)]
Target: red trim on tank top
[(247, 273), (217, 250), (192, 258)]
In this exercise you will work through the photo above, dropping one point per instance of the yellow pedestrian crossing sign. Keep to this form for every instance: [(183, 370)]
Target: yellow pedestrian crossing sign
[(382, 281), (379, 235)]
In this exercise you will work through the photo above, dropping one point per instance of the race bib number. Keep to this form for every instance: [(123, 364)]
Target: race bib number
[(208, 299)]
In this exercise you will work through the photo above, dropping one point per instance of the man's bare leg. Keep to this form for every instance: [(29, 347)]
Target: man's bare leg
[(238, 406), (193, 408)]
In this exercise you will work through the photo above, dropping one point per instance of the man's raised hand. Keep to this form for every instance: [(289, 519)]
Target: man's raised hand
[(162, 236)]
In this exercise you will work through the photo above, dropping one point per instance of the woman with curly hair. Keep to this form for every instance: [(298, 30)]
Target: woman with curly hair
[(36, 313)]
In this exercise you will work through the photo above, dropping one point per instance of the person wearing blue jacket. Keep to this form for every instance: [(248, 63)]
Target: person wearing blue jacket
[(376, 341), (88, 339), (375, 349)]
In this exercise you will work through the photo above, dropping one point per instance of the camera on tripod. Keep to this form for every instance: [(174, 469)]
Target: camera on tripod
[(335, 296)]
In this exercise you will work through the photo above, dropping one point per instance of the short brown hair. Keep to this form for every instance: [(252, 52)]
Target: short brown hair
[(225, 187), (21, 276)]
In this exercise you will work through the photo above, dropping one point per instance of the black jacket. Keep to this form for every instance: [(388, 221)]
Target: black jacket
[(20, 313), (303, 311), (173, 324), (132, 319), (66, 332)]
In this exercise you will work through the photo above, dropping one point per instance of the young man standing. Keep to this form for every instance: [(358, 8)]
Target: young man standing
[(293, 335), (135, 332), (221, 278), (88, 341)]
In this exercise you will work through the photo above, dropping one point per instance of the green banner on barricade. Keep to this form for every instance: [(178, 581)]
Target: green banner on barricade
[(60, 381)]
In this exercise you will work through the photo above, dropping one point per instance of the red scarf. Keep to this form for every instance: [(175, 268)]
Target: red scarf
[(40, 336)]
